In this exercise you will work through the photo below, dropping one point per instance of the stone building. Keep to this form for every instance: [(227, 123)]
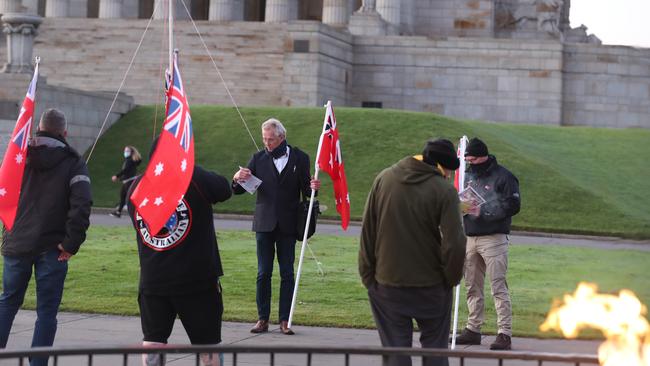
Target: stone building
[(499, 60)]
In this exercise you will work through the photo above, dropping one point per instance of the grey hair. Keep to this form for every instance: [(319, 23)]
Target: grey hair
[(53, 121), (276, 125)]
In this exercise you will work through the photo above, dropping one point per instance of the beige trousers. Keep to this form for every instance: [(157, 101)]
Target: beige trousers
[(487, 254)]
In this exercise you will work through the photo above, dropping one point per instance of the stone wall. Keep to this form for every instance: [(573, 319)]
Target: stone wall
[(474, 18), (319, 68), (497, 80), (606, 86), (93, 54), (85, 111)]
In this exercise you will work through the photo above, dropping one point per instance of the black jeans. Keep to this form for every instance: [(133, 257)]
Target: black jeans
[(394, 309), (266, 246)]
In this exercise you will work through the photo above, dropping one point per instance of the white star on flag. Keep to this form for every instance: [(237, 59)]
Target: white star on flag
[(144, 202), (19, 158), (158, 201), (3, 192), (159, 169), (184, 165)]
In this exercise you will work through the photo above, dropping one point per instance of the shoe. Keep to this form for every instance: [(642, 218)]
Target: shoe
[(503, 342), (115, 214), (284, 328), (261, 326), (468, 337)]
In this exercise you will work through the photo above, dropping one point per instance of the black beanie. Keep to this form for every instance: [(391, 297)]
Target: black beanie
[(476, 147), (440, 151)]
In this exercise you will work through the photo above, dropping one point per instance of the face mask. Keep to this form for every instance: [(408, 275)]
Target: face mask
[(127, 154)]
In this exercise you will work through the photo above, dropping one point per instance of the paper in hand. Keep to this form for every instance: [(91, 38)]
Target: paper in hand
[(251, 184)]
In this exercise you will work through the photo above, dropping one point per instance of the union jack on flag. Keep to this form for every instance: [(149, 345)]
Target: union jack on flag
[(171, 165), (178, 119), (13, 163)]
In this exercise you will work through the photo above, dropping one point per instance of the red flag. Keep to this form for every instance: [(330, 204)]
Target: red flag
[(330, 161), (13, 164), (171, 166)]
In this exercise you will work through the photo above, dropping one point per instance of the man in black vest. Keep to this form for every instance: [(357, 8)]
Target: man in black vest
[(284, 172)]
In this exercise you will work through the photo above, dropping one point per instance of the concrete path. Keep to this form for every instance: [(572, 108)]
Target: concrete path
[(92, 330), (243, 222)]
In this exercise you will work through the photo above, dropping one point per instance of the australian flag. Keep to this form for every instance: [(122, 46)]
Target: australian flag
[(13, 163), (171, 166)]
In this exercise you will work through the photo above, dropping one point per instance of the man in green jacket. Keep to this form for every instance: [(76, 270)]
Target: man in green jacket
[(413, 249)]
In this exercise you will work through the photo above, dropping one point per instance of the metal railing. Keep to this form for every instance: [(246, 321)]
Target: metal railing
[(57, 354)]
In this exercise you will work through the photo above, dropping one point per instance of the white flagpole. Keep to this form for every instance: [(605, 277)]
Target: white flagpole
[(328, 107), (171, 36), (462, 145)]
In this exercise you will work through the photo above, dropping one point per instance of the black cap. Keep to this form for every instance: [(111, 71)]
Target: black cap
[(441, 151), (476, 147)]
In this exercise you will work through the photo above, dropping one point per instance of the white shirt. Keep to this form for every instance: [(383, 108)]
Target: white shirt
[(281, 162)]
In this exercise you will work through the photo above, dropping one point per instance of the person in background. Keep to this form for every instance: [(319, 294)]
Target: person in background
[(412, 250), (487, 227), (51, 222), (126, 175)]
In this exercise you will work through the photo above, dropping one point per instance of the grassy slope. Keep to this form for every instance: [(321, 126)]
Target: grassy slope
[(576, 180), (103, 279)]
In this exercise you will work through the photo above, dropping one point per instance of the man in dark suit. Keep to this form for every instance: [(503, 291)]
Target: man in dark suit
[(284, 171)]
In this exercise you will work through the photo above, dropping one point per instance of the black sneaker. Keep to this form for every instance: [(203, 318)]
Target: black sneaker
[(502, 342), (469, 337), (116, 214)]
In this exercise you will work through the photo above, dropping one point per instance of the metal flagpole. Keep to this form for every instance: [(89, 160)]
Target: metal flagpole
[(311, 205), (462, 145)]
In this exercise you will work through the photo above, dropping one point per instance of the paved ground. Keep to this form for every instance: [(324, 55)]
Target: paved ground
[(104, 330), (91, 330)]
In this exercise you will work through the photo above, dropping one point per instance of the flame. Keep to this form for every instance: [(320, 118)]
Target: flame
[(620, 318)]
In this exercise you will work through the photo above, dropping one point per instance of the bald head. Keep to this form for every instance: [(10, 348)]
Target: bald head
[(53, 121)]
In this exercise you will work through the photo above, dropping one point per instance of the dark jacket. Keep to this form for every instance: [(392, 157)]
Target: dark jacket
[(184, 256), (55, 200), (412, 234), (279, 194), (500, 189), (129, 169)]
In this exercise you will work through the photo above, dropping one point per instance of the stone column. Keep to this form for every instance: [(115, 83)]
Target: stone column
[(335, 12), (30, 6), (20, 30), (110, 8), (277, 11), (160, 9), (9, 6), (221, 10), (390, 11), (408, 16), (56, 8)]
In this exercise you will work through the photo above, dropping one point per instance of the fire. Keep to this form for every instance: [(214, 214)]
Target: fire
[(620, 318)]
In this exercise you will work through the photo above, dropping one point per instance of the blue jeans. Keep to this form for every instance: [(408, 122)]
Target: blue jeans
[(50, 275), (266, 245)]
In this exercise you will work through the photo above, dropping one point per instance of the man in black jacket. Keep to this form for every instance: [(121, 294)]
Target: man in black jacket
[(487, 227), (284, 171), (51, 223), (180, 268)]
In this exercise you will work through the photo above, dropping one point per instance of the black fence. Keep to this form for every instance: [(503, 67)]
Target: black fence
[(343, 356)]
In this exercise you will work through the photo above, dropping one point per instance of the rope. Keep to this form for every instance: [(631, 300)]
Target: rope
[(160, 74), (223, 81), (128, 69)]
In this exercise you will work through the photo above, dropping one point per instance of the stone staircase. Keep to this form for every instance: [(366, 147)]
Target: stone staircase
[(93, 55)]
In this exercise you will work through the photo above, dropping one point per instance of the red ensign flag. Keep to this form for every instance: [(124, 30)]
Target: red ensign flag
[(171, 166), (13, 164), (330, 161)]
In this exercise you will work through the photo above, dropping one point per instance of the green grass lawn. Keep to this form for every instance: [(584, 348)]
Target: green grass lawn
[(103, 278), (573, 179)]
